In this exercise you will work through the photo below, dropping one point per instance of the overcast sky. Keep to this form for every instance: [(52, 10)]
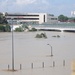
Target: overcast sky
[(55, 7)]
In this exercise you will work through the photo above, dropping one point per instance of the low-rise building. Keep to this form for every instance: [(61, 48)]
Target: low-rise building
[(32, 18)]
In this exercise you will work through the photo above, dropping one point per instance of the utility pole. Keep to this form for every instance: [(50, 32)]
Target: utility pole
[(12, 47)]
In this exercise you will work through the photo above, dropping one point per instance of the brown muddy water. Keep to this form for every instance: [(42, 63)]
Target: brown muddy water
[(28, 50)]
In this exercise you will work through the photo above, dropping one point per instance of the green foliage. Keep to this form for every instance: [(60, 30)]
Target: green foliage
[(33, 29), (2, 28), (62, 18), (42, 35), (24, 26), (56, 36), (5, 28), (3, 19), (38, 36), (20, 29)]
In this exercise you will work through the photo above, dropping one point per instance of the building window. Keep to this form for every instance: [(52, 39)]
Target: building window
[(20, 15), (44, 18), (24, 18), (53, 18)]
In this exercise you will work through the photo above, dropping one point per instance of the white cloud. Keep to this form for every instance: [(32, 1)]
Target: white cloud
[(45, 2), (25, 2), (33, 6), (6, 5), (24, 5), (3, 3), (41, 5)]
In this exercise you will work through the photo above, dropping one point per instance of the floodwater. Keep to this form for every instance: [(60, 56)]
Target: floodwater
[(28, 50)]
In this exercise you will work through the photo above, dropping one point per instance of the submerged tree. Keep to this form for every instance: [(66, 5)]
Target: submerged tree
[(42, 35)]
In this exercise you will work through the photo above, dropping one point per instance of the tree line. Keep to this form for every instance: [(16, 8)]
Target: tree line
[(63, 18)]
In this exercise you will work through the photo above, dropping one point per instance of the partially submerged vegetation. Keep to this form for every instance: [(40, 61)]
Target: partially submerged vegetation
[(25, 28), (56, 36), (5, 28), (33, 29), (42, 35), (19, 29)]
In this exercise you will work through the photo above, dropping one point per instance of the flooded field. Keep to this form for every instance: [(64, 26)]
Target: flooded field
[(32, 55)]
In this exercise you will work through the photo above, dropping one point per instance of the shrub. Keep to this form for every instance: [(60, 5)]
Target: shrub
[(38, 36), (42, 35), (2, 28), (7, 28), (19, 29), (33, 29)]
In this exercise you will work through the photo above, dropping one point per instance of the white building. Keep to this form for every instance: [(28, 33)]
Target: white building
[(32, 18)]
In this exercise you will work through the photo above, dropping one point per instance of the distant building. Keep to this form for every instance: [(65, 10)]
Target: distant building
[(32, 18), (72, 13)]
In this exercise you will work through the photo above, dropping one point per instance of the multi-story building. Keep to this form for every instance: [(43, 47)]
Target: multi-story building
[(32, 18)]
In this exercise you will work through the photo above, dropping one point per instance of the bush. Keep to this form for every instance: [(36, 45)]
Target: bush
[(19, 29), (7, 28), (38, 36), (56, 36), (42, 35), (2, 28), (25, 26), (33, 29)]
